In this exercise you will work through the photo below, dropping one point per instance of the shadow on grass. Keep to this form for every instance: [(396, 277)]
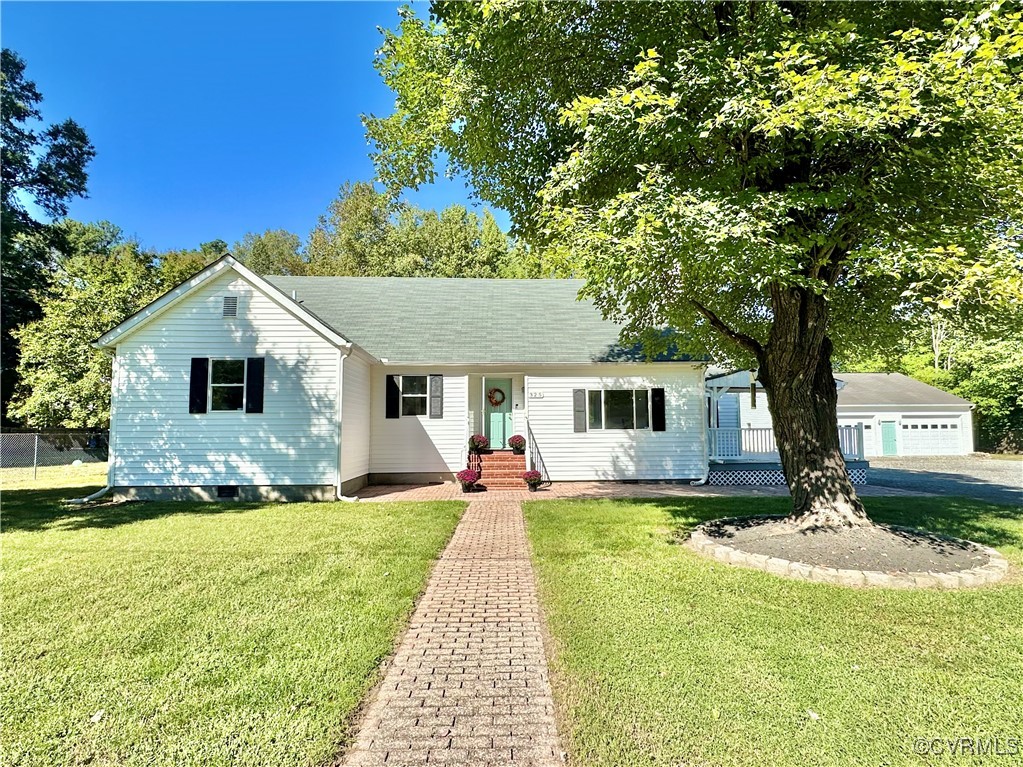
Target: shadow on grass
[(989, 524), (37, 510)]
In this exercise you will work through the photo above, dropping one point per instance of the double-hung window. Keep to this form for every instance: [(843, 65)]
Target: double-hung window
[(618, 409), (227, 384), (413, 395)]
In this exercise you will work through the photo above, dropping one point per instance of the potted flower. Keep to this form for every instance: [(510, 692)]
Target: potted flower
[(478, 443), (532, 480), (468, 478), (517, 443)]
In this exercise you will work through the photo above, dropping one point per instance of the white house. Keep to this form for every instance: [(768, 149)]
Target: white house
[(234, 385), (896, 415)]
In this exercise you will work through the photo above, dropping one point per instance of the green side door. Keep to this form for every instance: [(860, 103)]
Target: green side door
[(498, 416), (888, 444)]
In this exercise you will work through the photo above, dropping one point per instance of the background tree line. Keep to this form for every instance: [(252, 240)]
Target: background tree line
[(368, 233), (93, 277)]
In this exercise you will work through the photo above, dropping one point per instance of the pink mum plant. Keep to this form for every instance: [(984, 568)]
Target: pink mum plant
[(532, 477)]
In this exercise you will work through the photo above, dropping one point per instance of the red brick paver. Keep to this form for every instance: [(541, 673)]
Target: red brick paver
[(452, 491), (468, 684)]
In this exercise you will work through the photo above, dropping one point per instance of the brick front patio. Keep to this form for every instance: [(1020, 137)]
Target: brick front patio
[(448, 491)]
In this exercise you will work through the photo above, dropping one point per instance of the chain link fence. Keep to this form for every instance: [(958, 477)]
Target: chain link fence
[(29, 451)]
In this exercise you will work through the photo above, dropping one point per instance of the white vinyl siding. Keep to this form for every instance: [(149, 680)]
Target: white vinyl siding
[(728, 411), (292, 442), (750, 417), (616, 454), (418, 443), (355, 418), (871, 430)]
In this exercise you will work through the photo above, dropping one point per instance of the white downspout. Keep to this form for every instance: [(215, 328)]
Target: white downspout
[(706, 448), (340, 391), (89, 498)]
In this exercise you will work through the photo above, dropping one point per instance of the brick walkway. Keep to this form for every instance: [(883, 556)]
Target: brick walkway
[(469, 685)]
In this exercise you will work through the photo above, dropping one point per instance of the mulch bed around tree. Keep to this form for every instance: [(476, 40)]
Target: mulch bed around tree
[(878, 547)]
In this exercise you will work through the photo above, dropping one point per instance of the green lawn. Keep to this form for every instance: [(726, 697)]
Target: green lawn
[(51, 477), (665, 658), (200, 634)]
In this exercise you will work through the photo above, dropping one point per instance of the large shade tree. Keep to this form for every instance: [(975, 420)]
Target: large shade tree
[(99, 280), (776, 182), (40, 166)]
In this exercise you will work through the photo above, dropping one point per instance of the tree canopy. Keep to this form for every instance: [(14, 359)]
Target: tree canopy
[(689, 158), (99, 280), (45, 166), (367, 232), (275, 251), (777, 182)]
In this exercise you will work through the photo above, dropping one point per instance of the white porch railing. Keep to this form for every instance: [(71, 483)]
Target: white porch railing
[(759, 445)]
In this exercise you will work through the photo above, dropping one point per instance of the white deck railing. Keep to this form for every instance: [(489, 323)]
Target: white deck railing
[(759, 445)]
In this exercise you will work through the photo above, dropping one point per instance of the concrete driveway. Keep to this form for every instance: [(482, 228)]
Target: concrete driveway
[(974, 476)]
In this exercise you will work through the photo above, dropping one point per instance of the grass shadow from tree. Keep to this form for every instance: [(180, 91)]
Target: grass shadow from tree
[(43, 510), (988, 524)]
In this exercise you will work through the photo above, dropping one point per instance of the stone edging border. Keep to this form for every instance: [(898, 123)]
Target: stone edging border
[(992, 572)]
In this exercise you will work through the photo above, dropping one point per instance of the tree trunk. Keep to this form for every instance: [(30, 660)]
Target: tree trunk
[(795, 370)]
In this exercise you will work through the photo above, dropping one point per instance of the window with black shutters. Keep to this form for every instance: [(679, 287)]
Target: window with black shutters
[(413, 395), (618, 409), (227, 384)]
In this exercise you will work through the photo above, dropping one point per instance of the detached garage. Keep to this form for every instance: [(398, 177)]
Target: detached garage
[(903, 416), (900, 415)]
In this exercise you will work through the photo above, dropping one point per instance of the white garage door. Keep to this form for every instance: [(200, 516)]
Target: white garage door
[(932, 436)]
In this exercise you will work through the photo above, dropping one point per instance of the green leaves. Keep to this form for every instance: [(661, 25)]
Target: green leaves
[(99, 281), (45, 167), (870, 153)]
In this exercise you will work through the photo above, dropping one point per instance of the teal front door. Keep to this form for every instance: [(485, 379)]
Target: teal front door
[(497, 404), (888, 446)]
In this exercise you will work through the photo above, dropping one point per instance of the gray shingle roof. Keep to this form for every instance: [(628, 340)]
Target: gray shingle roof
[(434, 320), (860, 389), (891, 389)]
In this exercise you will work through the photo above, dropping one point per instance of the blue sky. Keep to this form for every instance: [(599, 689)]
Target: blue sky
[(212, 119)]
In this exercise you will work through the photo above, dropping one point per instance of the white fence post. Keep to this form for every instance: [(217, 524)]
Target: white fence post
[(35, 458)]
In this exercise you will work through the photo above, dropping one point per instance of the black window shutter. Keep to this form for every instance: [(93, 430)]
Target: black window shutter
[(436, 396), (579, 409), (657, 409), (197, 384), (393, 407), (254, 385)]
